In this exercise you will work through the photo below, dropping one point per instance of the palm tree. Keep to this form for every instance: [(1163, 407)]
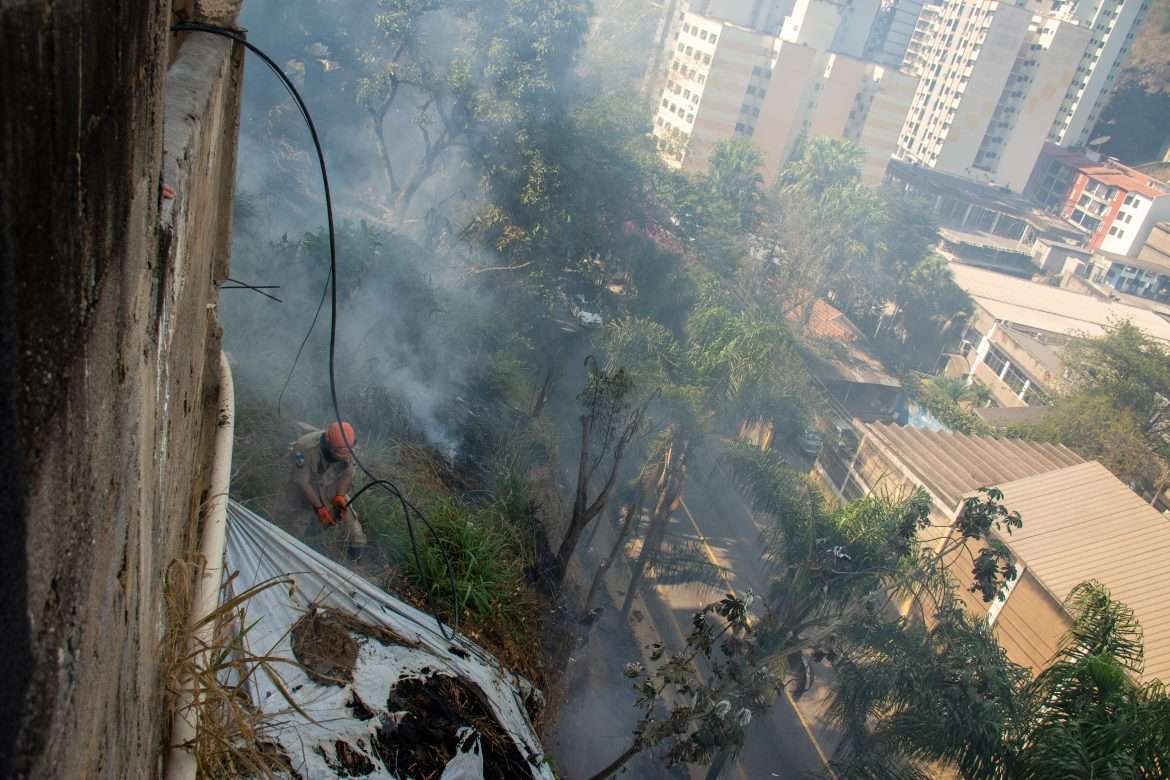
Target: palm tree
[(959, 390), (1088, 716), (909, 697), (823, 163)]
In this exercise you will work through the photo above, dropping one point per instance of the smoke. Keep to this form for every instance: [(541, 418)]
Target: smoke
[(409, 323)]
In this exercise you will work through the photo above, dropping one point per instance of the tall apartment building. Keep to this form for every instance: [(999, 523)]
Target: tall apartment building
[(725, 81), (763, 15), (1112, 25), (999, 79), (892, 32), (839, 26)]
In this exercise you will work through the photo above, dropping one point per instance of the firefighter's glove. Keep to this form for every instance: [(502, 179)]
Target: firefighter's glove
[(325, 516), (341, 503)]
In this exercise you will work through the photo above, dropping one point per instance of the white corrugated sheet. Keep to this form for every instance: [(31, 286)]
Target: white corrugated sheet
[(259, 551)]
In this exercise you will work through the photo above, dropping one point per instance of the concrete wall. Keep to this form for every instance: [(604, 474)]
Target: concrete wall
[(785, 110), (890, 96), (109, 330), (986, 84), (1157, 246), (1057, 62)]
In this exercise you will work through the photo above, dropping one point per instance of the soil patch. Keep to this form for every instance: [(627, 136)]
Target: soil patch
[(324, 647), (422, 735)]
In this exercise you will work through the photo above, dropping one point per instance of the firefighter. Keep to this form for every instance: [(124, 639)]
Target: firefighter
[(322, 474)]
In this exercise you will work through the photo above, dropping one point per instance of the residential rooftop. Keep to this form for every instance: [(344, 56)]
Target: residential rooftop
[(1082, 523), (836, 349), (1051, 309), (1007, 416), (953, 465), (1111, 172)]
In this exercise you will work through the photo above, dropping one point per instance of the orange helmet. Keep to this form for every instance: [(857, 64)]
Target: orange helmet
[(340, 437)]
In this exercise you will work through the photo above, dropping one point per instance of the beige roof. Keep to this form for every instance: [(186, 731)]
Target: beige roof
[(1052, 309), (952, 465), (1082, 523)]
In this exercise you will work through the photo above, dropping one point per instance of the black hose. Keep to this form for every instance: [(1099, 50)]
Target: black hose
[(331, 289)]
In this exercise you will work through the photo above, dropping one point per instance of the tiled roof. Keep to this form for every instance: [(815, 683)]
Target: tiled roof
[(952, 465), (1082, 523)]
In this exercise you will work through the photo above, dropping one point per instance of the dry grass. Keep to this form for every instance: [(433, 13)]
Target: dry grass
[(233, 738)]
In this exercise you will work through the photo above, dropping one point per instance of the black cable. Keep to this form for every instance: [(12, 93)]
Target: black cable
[(331, 288), (236, 284)]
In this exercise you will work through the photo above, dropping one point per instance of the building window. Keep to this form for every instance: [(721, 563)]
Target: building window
[(706, 59), (686, 28), (690, 50), (1015, 380), (703, 35), (995, 360), (712, 39)]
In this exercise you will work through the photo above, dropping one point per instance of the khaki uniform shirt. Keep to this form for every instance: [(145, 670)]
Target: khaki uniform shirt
[(324, 475)]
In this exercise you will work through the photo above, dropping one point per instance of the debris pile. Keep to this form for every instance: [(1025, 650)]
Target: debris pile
[(379, 691)]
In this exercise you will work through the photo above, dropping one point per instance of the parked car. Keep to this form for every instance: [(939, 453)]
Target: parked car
[(810, 443)]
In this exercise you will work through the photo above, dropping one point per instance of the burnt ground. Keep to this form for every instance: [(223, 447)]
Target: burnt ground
[(425, 729), (324, 648)]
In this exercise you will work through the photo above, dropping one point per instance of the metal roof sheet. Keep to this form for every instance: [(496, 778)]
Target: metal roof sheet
[(1082, 523), (952, 465), (1052, 309)]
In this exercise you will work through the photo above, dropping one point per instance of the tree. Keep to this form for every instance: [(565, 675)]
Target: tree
[(1131, 369), (1085, 715), (698, 701), (825, 232), (829, 569), (608, 423), (1117, 409), (821, 164), (908, 696), (733, 175), (826, 566)]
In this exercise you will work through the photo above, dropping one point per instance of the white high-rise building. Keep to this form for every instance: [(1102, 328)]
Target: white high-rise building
[(725, 81), (763, 15), (893, 29), (839, 26), (1112, 25), (999, 79)]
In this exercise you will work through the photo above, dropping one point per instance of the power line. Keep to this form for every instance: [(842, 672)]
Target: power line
[(330, 290)]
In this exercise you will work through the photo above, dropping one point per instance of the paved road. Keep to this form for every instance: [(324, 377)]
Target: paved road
[(599, 715), (780, 744)]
